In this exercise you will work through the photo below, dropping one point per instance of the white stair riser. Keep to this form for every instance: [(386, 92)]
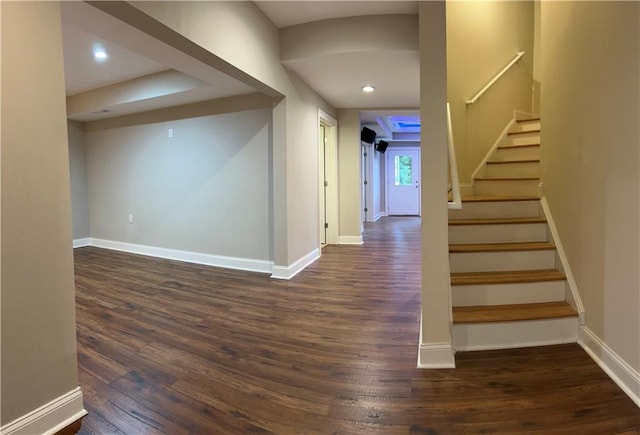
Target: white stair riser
[(511, 293), (517, 153), (524, 139), (525, 126), (503, 335), (487, 209), (500, 233), (529, 169), (501, 261), (506, 188)]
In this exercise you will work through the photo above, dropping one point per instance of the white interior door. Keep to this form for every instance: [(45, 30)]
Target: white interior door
[(403, 181)]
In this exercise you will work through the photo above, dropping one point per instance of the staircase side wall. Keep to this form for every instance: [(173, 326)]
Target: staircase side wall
[(482, 38)]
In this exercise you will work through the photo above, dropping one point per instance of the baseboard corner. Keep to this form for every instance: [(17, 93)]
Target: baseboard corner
[(436, 356), (81, 243), (49, 418), (625, 376), (288, 272)]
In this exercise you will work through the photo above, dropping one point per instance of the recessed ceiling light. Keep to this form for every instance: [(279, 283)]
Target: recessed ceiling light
[(100, 54), (368, 88)]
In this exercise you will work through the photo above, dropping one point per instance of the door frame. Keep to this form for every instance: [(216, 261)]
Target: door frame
[(389, 175), (331, 168)]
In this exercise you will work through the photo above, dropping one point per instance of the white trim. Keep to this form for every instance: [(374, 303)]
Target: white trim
[(435, 355), (248, 264), (574, 295), (332, 175), (379, 215), (350, 240), (49, 418), (81, 243), (456, 202), (503, 135), (288, 272), (627, 378)]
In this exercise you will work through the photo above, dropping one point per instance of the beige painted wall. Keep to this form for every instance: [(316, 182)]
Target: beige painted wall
[(205, 190), (482, 38), (38, 337), (591, 158), (78, 173), (436, 294), (349, 173)]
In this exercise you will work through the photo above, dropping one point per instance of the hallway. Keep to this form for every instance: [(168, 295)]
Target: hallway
[(177, 348)]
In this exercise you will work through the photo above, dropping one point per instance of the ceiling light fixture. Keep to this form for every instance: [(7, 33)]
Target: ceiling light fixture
[(368, 88), (100, 54)]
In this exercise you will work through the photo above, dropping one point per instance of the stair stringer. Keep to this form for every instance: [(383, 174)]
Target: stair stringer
[(483, 163), (572, 295)]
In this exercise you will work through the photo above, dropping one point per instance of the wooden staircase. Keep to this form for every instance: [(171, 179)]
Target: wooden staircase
[(508, 287)]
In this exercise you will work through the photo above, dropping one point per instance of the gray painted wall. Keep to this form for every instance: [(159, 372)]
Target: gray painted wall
[(206, 189), (78, 173)]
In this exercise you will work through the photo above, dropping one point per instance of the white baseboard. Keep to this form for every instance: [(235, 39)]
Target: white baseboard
[(80, 243), (350, 240), (49, 418), (573, 296), (379, 215), (436, 356), (504, 134), (248, 264), (288, 272), (627, 378)]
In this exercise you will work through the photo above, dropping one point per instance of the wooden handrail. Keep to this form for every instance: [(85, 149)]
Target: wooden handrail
[(495, 79), (453, 166)]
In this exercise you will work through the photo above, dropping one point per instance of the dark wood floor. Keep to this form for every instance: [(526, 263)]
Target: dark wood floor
[(176, 348)]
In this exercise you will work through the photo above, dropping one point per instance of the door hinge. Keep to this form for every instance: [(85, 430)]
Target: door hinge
[(366, 209), (326, 183), (326, 225), (365, 154), (365, 182)]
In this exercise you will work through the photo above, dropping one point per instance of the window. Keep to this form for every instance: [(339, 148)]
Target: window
[(403, 173)]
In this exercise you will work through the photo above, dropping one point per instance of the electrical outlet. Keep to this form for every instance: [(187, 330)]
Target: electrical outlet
[(170, 133), (130, 218)]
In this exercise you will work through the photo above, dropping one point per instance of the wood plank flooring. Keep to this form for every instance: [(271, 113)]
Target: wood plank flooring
[(177, 348)]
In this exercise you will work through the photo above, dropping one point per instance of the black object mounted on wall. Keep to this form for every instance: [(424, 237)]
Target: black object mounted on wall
[(381, 146), (367, 135)]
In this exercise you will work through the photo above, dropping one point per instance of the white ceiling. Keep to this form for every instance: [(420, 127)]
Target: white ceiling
[(338, 78), (290, 13), (83, 73)]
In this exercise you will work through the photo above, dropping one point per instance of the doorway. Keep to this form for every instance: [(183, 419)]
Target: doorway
[(403, 181), (327, 180)]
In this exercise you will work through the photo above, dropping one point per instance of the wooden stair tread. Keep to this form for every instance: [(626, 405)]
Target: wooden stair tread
[(503, 162), (506, 277), (484, 198), (506, 147), (501, 247), (498, 221), (506, 178), (515, 312), (516, 133), (528, 120)]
